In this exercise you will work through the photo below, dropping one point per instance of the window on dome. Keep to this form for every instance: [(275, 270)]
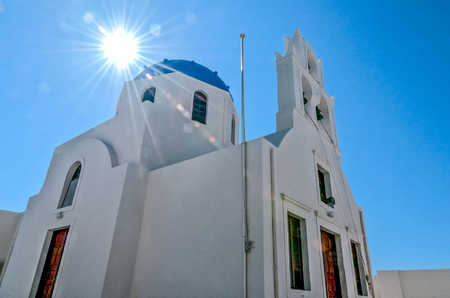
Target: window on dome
[(233, 128), (70, 185), (199, 107), (149, 95)]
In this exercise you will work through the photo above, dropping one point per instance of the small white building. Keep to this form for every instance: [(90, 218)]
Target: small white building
[(153, 202), (413, 283)]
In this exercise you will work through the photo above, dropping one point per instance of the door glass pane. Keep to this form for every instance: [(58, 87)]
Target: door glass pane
[(52, 262), (295, 249), (331, 265)]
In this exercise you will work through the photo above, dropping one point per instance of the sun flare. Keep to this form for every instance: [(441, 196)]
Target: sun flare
[(119, 47)]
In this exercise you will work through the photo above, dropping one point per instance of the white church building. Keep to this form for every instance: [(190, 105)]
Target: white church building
[(162, 201)]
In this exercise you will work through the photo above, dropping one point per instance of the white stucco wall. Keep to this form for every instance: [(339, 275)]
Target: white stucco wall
[(193, 220), (296, 165), (413, 284), (8, 225), (91, 221), (191, 243)]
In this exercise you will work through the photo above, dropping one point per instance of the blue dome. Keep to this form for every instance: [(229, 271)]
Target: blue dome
[(189, 68)]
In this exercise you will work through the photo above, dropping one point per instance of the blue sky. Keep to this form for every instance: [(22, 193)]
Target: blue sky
[(386, 62)]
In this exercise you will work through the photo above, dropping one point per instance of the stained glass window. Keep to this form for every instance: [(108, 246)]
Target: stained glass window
[(295, 252), (331, 265), (361, 286)]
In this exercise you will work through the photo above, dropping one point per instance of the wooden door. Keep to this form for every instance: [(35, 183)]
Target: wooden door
[(330, 264), (52, 262)]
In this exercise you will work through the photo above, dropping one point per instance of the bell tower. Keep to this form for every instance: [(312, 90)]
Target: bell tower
[(301, 92)]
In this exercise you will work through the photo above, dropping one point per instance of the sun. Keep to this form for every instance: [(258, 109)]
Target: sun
[(119, 47)]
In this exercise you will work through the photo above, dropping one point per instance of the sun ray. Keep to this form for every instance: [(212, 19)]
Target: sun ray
[(99, 59)]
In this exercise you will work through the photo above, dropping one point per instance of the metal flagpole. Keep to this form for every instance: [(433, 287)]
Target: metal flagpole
[(247, 243), (242, 88)]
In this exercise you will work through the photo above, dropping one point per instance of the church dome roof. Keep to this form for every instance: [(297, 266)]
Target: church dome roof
[(190, 68)]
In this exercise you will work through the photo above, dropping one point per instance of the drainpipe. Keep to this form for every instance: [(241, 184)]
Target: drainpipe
[(274, 224)]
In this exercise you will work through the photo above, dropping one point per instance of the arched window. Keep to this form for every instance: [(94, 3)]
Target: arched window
[(311, 64), (233, 128), (323, 116), (307, 91), (199, 107), (70, 185), (149, 94)]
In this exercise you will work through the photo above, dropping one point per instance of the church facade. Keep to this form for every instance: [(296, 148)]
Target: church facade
[(156, 202)]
